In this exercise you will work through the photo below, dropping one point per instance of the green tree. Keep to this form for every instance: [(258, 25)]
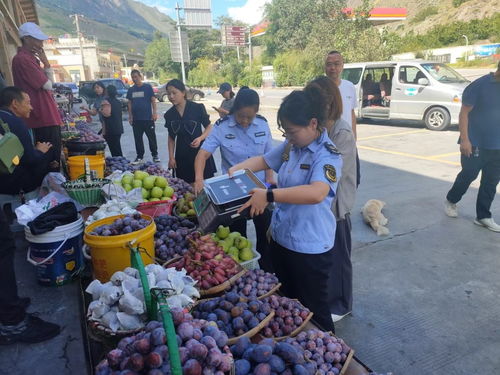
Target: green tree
[(157, 58)]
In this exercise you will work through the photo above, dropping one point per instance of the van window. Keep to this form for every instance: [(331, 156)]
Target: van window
[(352, 74), (410, 75), (443, 73)]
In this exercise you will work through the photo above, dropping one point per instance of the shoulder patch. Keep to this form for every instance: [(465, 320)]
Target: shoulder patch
[(330, 172), (221, 120), (261, 117), (332, 148)]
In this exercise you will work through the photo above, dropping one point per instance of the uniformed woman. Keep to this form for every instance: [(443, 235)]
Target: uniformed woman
[(188, 125), (303, 225), (241, 135)]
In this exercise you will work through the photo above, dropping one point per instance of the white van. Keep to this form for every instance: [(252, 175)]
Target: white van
[(409, 90)]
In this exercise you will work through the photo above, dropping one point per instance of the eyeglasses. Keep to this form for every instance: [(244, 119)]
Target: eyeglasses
[(336, 64)]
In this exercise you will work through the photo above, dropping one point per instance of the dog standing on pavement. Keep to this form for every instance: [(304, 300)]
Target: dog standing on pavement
[(372, 215)]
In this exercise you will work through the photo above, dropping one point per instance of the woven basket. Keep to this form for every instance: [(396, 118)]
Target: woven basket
[(85, 193)]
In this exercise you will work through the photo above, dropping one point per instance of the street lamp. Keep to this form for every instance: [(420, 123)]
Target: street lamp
[(466, 48)]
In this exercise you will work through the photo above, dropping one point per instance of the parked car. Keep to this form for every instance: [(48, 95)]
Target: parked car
[(191, 93), (154, 85), (86, 92), (414, 90), (74, 89)]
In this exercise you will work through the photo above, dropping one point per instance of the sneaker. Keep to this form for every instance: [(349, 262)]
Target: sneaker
[(137, 161), (30, 331), (156, 159), (450, 209), (488, 223), (336, 318)]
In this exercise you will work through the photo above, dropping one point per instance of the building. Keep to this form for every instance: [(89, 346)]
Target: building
[(13, 13), (66, 59)]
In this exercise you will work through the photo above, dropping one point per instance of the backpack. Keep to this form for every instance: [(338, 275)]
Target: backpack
[(11, 149)]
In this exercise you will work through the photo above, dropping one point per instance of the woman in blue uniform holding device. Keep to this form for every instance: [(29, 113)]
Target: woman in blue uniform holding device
[(303, 225), (241, 135)]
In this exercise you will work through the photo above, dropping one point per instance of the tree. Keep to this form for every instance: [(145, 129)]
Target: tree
[(157, 58)]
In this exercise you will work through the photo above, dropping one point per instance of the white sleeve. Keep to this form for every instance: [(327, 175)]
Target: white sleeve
[(49, 73), (354, 97)]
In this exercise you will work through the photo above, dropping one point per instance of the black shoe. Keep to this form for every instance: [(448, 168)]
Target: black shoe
[(24, 302), (36, 330)]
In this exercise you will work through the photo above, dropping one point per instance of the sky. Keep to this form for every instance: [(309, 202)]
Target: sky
[(248, 11)]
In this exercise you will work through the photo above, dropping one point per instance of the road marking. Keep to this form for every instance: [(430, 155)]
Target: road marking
[(392, 134), (444, 155), (428, 158)]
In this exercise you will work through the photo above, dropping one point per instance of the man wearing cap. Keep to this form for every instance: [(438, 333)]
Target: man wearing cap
[(227, 93), (36, 81)]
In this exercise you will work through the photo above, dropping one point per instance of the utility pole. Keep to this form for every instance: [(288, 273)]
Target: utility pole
[(177, 8), (466, 48), (80, 42), (250, 47)]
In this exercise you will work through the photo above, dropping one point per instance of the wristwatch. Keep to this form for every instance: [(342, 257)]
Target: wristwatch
[(270, 195)]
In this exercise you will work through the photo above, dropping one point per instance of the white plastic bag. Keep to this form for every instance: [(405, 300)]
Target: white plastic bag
[(95, 289), (110, 320), (115, 191), (130, 304), (110, 294), (128, 322)]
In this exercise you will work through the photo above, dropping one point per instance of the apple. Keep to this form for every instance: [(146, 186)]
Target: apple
[(127, 179), (149, 182), (137, 183), (168, 192), (161, 182), (156, 192), (140, 175)]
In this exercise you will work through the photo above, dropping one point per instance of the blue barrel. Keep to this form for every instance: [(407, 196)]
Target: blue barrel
[(57, 255)]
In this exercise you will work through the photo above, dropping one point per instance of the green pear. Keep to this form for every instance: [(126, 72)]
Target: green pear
[(235, 234), (222, 232), (245, 254), (233, 252), (241, 243)]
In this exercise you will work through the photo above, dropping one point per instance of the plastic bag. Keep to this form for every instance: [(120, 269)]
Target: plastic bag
[(110, 294), (97, 309), (52, 182), (128, 322), (30, 211), (116, 191), (94, 288), (130, 304), (110, 320)]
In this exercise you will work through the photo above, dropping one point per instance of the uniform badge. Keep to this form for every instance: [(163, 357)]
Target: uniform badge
[(332, 148), (285, 156), (305, 166), (260, 134), (330, 172), (230, 136)]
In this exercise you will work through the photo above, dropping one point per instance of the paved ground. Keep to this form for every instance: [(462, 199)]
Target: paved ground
[(425, 296)]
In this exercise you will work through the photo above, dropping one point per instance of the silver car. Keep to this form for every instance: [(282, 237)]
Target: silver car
[(411, 90)]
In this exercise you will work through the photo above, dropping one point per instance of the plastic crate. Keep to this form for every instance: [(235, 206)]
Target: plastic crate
[(252, 264), (157, 208)]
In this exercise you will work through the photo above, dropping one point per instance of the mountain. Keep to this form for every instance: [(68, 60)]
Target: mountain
[(121, 25), (444, 12)]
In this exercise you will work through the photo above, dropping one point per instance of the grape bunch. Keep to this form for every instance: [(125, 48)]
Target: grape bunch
[(170, 236), (180, 187), (202, 349), (289, 315), (155, 169), (86, 133), (206, 262), (255, 283), (118, 163), (127, 224), (268, 357), (328, 353), (233, 316)]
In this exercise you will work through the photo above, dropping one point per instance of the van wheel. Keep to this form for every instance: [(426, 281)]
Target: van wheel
[(196, 97), (164, 98), (437, 118)]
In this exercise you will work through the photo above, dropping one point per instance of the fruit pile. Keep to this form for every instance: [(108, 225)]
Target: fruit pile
[(185, 205), (289, 315), (127, 224), (268, 357), (234, 244), (154, 188), (87, 134), (233, 316), (202, 349), (255, 283), (180, 186), (155, 169), (326, 352), (117, 163), (171, 236), (206, 262)]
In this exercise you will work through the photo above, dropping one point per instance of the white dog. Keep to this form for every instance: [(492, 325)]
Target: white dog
[(372, 214)]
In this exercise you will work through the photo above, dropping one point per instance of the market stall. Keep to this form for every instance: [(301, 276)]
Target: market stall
[(167, 288)]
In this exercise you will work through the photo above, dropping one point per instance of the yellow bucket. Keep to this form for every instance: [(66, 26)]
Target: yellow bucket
[(112, 253), (76, 165)]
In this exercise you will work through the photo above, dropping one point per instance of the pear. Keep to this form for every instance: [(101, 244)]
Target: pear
[(245, 254)]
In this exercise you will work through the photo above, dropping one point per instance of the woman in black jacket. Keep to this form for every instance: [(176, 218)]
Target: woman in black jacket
[(113, 124)]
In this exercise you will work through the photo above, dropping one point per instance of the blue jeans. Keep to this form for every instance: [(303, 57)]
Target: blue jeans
[(471, 165), (490, 165)]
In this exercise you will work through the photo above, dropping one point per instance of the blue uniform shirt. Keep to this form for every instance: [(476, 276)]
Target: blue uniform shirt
[(141, 102), (484, 118), (237, 143), (306, 228)]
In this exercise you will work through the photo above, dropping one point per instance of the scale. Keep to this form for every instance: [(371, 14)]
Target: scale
[(222, 197)]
